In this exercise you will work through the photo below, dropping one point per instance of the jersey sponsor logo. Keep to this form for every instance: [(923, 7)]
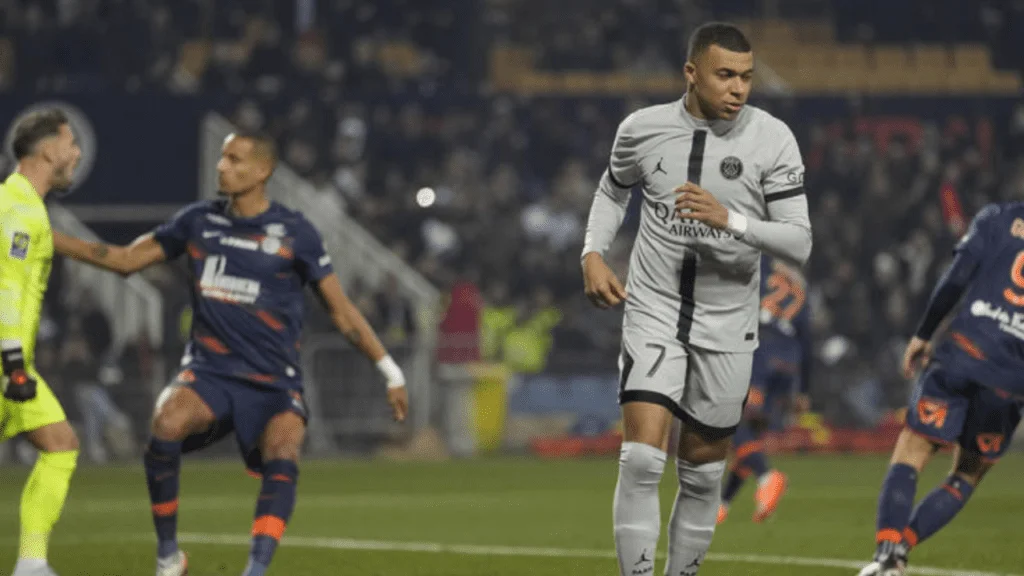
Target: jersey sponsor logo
[(19, 245), (731, 168), (216, 285), (242, 243), (795, 176), (1011, 323), (212, 233), (275, 229), (990, 443), (324, 260), (932, 412), (685, 227)]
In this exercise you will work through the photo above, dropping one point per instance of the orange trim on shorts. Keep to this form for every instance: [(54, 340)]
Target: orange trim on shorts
[(931, 439), (166, 508), (253, 474), (752, 447), (910, 537), (888, 535), (281, 478), (268, 526)]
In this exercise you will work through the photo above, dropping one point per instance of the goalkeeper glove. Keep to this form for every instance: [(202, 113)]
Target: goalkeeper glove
[(20, 386)]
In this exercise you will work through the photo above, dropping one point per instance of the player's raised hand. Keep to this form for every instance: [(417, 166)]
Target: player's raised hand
[(398, 398), (919, 352), (696, 203), (600, 284)]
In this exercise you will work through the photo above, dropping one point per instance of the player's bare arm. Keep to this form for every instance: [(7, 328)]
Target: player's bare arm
[(918, 354), (600, 284), (351, 322), (126, 260)]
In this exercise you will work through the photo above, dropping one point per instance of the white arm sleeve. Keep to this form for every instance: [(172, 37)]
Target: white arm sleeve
[(612, 195), (787, 232)]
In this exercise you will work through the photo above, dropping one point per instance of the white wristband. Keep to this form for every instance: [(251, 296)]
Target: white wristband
[(391, 371), (737, 224)]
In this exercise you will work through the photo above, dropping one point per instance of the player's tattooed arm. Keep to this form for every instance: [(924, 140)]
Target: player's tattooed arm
[(125, 260), (349, 320)]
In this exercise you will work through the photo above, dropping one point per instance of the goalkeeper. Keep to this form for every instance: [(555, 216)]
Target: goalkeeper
[(47, 154)]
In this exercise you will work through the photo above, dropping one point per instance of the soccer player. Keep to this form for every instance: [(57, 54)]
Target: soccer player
[(249, 259), (969, 393), (721, 182), (47, 154), (781, 361)]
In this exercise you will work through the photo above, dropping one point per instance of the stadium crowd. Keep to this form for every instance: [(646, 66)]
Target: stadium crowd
[(372, 100)]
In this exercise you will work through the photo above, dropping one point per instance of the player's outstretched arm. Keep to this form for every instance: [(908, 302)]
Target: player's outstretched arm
[(951, 287), (142, 253), (351, 322)]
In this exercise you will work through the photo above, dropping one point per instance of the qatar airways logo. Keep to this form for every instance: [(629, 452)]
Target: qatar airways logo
[(216, 285), (683, 227)]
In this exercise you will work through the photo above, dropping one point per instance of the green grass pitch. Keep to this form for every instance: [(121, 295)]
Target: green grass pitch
[(503, 517)]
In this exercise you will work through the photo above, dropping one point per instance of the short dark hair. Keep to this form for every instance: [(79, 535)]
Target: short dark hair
[(263, 144), (721, 34), (33, 128)]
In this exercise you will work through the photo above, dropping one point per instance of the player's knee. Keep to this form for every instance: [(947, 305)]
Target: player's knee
[(913, 450), (971, 467), (283, 449), (700, 480), (58, 437), (641, 464), (700, 447), (171, 424)]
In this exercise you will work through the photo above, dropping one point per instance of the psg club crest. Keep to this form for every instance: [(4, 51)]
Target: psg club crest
[(731, 168)]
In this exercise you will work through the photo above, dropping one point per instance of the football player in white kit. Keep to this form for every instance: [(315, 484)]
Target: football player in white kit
[(721, 181)]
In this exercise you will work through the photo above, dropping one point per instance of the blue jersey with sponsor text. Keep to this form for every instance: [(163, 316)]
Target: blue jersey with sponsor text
[(985, 343), (784, 316), (247, 281)]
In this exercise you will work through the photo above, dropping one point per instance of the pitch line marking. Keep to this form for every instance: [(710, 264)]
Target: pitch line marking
[(527, 551)]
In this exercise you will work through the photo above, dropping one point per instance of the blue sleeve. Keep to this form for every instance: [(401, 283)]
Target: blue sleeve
[(173, 235), (311, 259), (947, 293), (954, 282)]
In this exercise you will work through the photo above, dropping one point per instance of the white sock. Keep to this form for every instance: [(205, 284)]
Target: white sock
[(30, 564), (636, 511), (694, 516)]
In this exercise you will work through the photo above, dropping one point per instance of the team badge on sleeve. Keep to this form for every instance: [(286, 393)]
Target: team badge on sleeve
[(19, 245)]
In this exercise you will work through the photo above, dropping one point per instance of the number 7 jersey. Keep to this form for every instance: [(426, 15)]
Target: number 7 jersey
[(986, 338), (248, 276)]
